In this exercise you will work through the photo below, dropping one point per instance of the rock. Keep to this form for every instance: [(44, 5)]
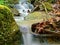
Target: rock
[(8, 27), (37, 15)]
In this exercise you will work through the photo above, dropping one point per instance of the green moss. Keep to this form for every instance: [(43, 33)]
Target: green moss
[(8, 26), (1, 1), (48, 6), (36, 15)]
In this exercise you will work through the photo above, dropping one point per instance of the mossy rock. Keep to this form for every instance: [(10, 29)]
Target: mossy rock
[(37, 16), (8, 26)]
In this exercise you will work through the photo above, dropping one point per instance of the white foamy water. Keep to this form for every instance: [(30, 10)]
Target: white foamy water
[(24, 8)]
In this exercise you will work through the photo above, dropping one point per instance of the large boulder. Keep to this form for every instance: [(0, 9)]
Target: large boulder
[(8, 27)]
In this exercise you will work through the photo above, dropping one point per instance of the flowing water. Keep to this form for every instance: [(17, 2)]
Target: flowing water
[(24, 8)]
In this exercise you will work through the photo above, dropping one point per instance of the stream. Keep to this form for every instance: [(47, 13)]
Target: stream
[(24, 9)]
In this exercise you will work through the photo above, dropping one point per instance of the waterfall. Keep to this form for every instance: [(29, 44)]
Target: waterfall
[(24, 8)]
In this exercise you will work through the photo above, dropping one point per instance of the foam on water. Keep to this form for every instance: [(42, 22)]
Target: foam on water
[(24, 8)]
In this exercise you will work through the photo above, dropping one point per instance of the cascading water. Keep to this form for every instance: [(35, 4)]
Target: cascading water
[(24, 8)]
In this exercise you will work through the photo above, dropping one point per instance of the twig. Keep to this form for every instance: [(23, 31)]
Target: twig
[(35, 8)]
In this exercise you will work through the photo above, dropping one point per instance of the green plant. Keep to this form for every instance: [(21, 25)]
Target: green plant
[(1, 1), (45, 2)]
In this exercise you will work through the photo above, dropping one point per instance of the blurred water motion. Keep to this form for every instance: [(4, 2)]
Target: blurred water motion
[(24, 8)]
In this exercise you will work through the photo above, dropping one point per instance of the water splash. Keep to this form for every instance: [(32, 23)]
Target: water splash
[(24, 8)]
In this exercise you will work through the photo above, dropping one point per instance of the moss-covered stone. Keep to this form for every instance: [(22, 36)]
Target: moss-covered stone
[(8, 26), (37, 15)]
